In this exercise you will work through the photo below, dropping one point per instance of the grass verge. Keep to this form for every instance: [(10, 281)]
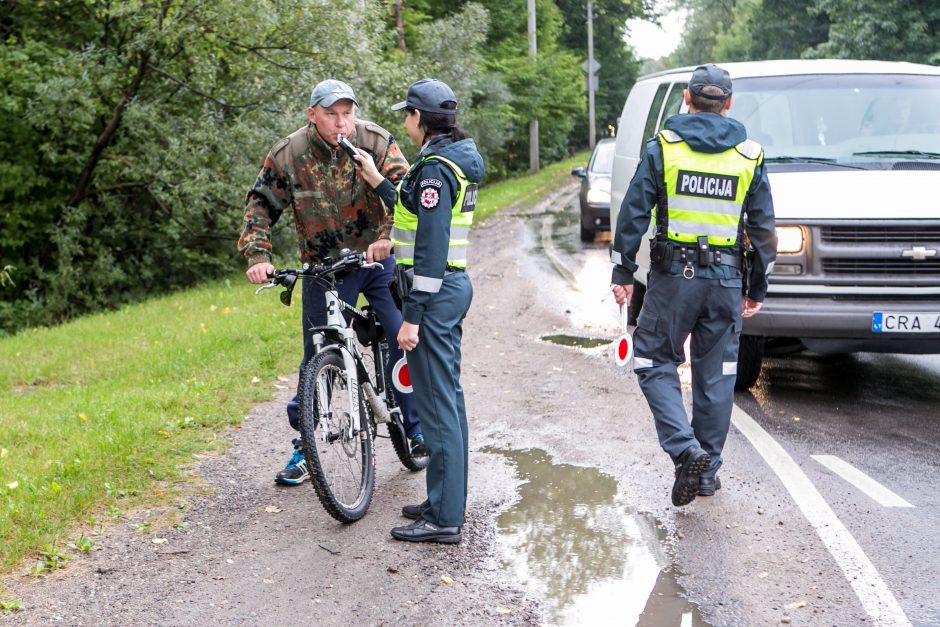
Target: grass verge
[(104, 414)]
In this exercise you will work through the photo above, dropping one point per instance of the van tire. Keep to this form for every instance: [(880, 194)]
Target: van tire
[(750, 359), (636, 303)]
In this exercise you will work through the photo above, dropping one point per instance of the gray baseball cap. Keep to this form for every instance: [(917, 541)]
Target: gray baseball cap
[(329, 92), (429, 95), (710, 75)]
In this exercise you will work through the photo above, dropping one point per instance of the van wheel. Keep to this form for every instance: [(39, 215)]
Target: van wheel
[(750, 358), (636, 303)]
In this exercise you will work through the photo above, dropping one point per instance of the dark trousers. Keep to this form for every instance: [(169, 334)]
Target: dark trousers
[(434, 365), (709, 309), (373, 284)]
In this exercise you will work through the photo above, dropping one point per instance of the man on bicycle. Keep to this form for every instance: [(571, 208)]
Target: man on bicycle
[(333, 208)]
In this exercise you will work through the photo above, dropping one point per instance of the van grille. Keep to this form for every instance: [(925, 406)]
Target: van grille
[(910, 235), (882, 267)]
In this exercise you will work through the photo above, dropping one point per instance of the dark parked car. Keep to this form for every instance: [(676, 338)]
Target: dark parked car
[(595, 190)]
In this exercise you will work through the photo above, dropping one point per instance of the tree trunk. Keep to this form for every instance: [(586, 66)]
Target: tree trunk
[(400, 23), (104, 139)]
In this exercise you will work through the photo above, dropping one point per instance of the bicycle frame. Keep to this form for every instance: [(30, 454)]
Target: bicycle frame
[(337, 332)]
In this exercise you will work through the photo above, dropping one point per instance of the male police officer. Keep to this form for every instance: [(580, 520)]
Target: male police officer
[(333, 209), (709, 187)]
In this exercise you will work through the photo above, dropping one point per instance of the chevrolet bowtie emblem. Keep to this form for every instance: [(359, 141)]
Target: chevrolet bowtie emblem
[(919, 253)]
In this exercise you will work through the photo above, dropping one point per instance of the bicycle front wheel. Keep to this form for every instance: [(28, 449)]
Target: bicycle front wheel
[(338, 447)]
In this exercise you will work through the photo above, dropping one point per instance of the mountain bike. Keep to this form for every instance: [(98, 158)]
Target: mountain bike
[(343, 397)]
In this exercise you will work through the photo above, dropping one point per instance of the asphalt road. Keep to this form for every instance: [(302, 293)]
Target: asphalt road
[(865, 431), (569, 519)]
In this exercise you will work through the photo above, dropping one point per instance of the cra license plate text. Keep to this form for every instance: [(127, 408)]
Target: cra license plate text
[(900, 322)]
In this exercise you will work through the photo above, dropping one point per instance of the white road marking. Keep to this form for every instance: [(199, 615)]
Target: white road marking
[(876, 599), (881, 494)]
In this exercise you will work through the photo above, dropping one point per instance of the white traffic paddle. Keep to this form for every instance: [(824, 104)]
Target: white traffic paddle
[(623, 345), (401, 377)]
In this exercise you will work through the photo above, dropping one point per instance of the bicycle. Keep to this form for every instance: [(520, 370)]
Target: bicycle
[(341, 401)]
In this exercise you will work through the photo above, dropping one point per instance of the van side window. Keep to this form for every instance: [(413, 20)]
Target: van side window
[(650, 129), (674, 101)]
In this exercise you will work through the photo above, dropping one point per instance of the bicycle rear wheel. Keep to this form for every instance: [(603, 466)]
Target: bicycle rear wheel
[(340, 455)]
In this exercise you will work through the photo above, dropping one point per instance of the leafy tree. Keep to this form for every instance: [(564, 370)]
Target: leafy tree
[(786, 29), (707, 20), (890, 30), (433, 51), (127, 140), (619, 67), (548, 88)]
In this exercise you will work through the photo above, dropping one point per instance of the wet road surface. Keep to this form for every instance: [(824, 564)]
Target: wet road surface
[(863, 429)]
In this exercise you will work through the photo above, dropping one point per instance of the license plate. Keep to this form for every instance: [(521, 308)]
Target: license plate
[(901, 322)]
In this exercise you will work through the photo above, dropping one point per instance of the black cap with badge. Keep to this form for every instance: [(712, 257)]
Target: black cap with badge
[(429, 95), (710, 75)]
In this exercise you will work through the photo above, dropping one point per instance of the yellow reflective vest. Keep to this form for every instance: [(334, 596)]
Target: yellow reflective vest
[(461, 218), (705, 192)]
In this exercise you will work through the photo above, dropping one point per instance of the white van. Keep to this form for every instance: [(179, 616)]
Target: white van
[(853, 156)]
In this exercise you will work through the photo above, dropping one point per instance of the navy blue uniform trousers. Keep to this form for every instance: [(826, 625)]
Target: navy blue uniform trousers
[(373, 283), (434, 365), (709, 309)]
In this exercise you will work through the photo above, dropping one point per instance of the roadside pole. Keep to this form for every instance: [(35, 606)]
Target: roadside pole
[(592, 132), (534, 124)]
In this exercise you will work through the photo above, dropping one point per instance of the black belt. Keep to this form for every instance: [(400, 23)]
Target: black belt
[(725, 257), (452, 269)]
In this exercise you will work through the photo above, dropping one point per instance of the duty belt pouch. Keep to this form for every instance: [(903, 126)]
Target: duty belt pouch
[(402, 279), (661, 253), (706, 257)]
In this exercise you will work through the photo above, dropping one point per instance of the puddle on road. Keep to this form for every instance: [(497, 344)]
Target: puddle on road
[(576, 341), (589, 556)]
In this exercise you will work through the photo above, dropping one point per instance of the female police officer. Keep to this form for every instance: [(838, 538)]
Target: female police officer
[(433, 214)]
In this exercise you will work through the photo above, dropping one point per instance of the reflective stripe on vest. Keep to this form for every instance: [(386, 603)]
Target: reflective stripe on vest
[(705, 191), (461, 219)]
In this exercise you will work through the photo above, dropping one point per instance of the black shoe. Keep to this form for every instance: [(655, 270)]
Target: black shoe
[(689, 467), (414, 511), (707, 486), (425, 531)]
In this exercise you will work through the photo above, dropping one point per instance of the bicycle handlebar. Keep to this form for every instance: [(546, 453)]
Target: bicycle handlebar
[(348, 261)]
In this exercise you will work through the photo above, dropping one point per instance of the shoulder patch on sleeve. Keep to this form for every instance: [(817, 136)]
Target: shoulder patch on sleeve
[(432, 183), (429, 197)]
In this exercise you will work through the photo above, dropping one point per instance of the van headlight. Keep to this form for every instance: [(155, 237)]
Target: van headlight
[(789, 239)]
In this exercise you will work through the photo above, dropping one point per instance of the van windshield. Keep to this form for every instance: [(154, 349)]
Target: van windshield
[(854, 118)]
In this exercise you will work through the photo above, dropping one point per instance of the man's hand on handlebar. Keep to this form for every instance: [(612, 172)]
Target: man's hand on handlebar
[(379, 250), (260, 272)]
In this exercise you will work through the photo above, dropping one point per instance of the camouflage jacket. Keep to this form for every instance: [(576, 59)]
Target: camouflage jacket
[(333, 207)]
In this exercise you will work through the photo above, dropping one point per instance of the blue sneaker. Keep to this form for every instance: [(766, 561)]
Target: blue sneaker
[(418, 447), (295, 472)]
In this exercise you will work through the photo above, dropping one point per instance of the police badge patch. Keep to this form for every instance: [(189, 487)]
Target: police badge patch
[(430, 197)]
